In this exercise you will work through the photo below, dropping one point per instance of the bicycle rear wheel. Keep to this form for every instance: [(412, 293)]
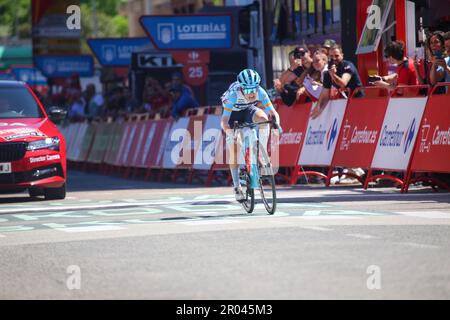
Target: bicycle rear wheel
[(249, 201), (267, 182)]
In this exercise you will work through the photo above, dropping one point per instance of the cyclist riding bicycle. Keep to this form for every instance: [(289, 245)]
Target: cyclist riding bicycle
[(244, 102)]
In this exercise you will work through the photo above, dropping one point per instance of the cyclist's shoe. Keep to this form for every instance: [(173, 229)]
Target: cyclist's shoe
[(239, 194)]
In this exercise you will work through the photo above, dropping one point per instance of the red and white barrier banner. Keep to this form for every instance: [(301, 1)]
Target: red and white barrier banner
[(191, 142), (206, 153), (322, 135), (114, 142), (78, 142), (294, 121), (161, 147), (70, 133), (174, 143), (137, 144), (70, 139), (398, 133), (126, 154), (432, 153), (148, 133), (123, 143), (154, 147), (360, 131)]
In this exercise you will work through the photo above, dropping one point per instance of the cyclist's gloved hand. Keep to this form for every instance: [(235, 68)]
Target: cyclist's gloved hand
[(280, 129)]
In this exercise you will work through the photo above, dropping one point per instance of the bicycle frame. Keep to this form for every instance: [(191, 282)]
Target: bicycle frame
[(246, 140)]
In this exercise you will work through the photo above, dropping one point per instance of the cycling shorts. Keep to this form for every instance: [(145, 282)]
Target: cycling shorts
[(243, 116)]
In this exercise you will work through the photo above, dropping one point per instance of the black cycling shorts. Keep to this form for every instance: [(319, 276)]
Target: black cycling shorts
[(244, 116)]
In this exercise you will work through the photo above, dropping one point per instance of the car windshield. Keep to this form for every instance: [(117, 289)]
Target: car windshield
[(18, 102)]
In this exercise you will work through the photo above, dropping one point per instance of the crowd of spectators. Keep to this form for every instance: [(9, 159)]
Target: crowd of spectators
[(168, 100), (319, 73)]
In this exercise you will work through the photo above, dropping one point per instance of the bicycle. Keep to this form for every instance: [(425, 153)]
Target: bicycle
[(256, 174)]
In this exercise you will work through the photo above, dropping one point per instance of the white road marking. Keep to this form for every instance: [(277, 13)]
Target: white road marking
[(208, 222), (90, 229), (201, 213), (312, 213), (316, 228), (419, 245), (300, 204), (326, 217), (2, 236), (360, 236), (426, 215)]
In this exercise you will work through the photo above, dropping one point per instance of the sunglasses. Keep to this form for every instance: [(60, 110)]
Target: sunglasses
[(250, 91)]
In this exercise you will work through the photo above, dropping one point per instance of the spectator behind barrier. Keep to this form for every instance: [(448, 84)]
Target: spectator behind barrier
[(181, 100), (312, 79), (76, 109), (405, 74), (177, 81), (447, 59), (131, 104), (155, 98), (94, 102), (116, 102), (434, 60), (341, 74), (326, 46), (286, 85)]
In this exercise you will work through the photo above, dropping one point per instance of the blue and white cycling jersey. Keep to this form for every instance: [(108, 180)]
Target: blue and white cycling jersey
[(234, 100)]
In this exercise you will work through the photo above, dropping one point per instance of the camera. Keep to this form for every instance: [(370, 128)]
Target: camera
[(331, 64), (438, 54), (374, 78), (299, 54)]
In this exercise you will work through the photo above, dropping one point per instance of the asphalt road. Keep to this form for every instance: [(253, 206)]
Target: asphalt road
[(127, 239)]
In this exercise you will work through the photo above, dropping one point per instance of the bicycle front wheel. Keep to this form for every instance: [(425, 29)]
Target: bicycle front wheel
[(267, 182), (249, 201)]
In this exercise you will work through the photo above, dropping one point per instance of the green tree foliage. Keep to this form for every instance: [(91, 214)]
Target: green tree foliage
[(15, 17), (108, 25)]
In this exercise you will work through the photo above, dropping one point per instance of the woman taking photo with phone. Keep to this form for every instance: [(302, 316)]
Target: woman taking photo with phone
[(436, 64)]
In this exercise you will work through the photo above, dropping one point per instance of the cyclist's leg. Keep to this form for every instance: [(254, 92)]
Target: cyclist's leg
[(232, 150), (264, 130)]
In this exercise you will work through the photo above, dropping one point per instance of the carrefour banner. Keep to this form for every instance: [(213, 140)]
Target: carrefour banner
[(117, 52), (65, 66), (322, 135), (196, 31), (433, 148), (398, 133)]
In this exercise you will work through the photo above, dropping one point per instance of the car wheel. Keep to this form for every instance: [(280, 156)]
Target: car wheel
[(55, 193), (35, 192)]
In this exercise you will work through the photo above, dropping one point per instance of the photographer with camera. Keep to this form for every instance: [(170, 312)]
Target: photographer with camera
[(405, 73), (286, 85), (341, 74)]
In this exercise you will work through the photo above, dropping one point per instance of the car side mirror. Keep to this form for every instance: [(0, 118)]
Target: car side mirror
[(57, 114)]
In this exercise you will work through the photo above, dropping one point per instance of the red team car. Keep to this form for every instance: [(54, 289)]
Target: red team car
[(32, 150)]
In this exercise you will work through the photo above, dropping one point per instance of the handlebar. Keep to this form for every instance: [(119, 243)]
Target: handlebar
[(252, 125)]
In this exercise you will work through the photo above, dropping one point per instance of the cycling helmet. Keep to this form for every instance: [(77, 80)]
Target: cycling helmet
[(249, 80)]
